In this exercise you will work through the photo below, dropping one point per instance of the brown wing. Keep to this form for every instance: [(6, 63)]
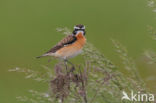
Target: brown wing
[(66, 41)]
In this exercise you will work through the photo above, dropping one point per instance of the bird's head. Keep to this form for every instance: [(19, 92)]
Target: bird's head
[(79, 28)]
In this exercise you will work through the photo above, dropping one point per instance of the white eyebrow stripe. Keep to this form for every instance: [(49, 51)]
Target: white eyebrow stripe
[(79, 28), (76, 27)]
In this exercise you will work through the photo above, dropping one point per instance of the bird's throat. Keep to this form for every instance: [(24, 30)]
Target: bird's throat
[(80, 35)]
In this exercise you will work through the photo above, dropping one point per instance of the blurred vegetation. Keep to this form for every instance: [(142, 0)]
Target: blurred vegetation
[(27, 29), (97, 80)]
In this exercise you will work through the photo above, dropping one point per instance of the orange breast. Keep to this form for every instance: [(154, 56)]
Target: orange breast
[(81, 40), (73, 49)]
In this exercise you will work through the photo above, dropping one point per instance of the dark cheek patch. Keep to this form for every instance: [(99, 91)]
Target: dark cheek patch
[(74, 32), (84, 32)]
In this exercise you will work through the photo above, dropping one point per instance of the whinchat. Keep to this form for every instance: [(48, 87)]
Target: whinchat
[(70, 46)]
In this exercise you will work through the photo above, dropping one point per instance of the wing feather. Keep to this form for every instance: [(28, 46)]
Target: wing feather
[(64, 42)]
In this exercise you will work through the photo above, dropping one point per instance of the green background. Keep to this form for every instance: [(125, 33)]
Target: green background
[(28, 29)]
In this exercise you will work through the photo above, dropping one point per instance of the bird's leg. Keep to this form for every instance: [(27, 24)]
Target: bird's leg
[(65, 63), (73, 67)]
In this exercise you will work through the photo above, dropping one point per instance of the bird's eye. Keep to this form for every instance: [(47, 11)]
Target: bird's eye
[(74, 32)]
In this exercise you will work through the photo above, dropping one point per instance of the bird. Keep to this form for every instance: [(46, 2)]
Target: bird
[(70, 46)]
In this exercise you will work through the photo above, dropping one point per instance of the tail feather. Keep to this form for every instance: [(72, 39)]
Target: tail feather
[(39, 57), (42, 56)]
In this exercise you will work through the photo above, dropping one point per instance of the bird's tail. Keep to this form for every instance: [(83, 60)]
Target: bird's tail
[(42, 56), (39, 57)]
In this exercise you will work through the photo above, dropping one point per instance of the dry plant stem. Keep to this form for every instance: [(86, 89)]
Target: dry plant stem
[(64, 80), (83, 86), (92, 100)]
